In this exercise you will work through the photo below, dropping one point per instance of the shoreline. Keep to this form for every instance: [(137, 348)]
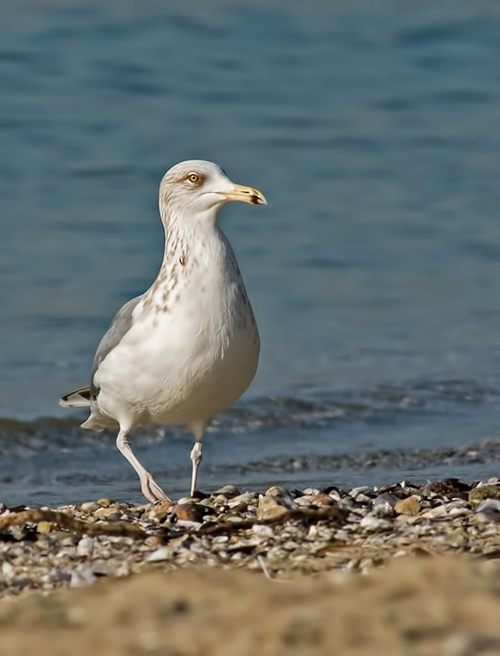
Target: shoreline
[(288, 560)]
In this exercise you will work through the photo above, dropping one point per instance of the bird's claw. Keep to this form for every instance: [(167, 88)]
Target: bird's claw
[(152, 491)]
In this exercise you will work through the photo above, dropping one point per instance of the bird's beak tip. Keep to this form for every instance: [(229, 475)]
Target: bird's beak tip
[(245, 195), (258, 200)]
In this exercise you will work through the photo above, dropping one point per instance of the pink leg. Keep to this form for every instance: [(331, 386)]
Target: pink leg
[(151, 490)]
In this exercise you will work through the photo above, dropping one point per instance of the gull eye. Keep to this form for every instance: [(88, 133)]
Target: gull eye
[(194, 178)]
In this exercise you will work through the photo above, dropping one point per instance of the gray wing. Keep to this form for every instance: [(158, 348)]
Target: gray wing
[(120, 326)]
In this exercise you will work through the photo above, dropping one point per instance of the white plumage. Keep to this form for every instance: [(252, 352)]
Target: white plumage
[(188, 347)]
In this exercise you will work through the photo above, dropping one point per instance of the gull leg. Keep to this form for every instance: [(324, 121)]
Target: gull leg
[(151, 490), (195, 459)]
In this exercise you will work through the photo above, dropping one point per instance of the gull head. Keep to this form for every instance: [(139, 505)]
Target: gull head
[(197, 187)]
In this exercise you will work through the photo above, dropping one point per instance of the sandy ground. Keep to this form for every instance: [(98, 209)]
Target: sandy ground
[(417, 606)]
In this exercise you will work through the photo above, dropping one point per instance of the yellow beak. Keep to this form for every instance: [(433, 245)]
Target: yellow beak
[(245, 195)]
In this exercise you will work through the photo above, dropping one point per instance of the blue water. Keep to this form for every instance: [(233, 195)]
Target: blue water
[(372, 128)]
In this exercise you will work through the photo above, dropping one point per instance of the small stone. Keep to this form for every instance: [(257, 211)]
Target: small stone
[(277, 492), (82, 576), (189, 512), (43, 527), (7, 569), (88, 506), (488, 511), (104, 503), (375, 524), (436, 513), (356, 491), (262, 531), (386, 500), (281, 495), (309, 491), (241, 502), (114, 517), (85, 547), (163, 553), (188, 525), (228, 491), (334, 493), (482, 492), (303, 502), (159, 512), (459, 512), (383, 505), (321, 500), (106, 512), (63, 538), (409, 506), (270, 508)]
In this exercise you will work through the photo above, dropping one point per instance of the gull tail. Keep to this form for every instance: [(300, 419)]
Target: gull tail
[(77, 399)]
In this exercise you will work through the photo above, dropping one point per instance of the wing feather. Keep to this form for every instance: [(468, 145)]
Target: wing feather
[(121, 324)]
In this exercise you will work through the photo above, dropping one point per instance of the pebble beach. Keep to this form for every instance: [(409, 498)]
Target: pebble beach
[(268, 567)]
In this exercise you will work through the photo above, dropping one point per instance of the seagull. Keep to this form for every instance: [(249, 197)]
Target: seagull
[(189, 346)]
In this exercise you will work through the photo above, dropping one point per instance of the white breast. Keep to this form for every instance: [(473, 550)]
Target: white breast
[(193, 348)]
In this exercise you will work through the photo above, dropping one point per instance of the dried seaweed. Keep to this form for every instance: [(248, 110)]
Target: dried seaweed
[(65, 521)]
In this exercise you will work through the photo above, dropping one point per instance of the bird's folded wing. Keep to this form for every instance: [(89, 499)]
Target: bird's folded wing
[(120, 326)]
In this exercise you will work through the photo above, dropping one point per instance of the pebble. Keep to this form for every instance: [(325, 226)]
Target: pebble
[(85, 547), (160, 512), (359, 490), (270, 508), (81, 576), (321, 500), (281, 495), (89, 506), (7, 570), (188, 525), (152, 541), (488, 511), (189, 512), (241, 501), (163, 553), (482, 492), (371, 522), (436, 513), (228, 491), (409, 506), (105, 512), (372, 526), (304, 501)]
